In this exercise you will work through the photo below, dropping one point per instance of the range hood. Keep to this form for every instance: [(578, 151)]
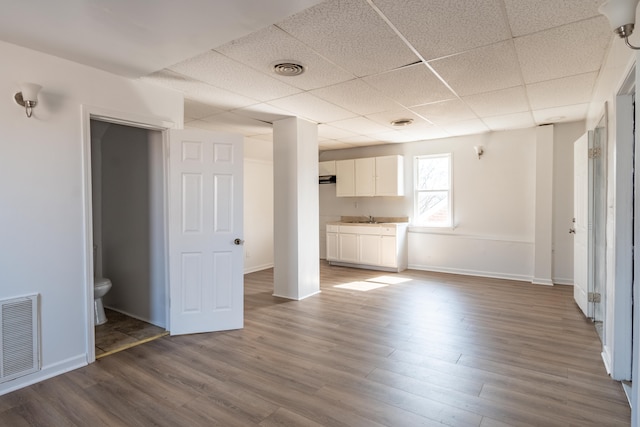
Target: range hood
[(327, 179)]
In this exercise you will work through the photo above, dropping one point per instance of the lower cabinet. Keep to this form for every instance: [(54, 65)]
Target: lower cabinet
[(376, 246)]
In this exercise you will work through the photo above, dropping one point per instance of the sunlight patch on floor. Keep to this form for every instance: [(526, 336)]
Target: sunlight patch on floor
[(361, 286), (389, 280)]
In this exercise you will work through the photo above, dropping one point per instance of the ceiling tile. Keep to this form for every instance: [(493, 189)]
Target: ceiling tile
[(567, 113), (481, 70), (331, 132), (198, 110), (263, 112), (510, 121), (425, 133), (566, 91), (356, 96), (333, 145), (563, 51), (395, 136), (218, 70), (198, 91), (413, 85), (229, 122), (312, 108), (499, 103), (360, 125), (352, 35), (445, 111), (438, 28), (386, 117), (531, 16), (466, 127), (260, 50)]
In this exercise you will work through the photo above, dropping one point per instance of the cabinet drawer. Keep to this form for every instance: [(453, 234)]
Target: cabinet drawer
[(359, 229), (332, 228), (387, 230)]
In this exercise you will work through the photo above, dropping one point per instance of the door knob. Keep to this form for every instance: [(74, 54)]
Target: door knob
[(238, 241), (572, 231)]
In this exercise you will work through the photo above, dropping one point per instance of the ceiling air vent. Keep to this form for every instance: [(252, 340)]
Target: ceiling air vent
[(402, 122), (288, 68)]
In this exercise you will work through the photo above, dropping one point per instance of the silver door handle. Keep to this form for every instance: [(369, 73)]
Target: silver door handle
[(572, 231), (238, 241)]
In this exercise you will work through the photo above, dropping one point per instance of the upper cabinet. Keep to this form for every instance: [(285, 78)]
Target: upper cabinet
[(327, 168), (373, 176)]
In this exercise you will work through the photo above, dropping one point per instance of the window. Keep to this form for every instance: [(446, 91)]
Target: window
[(432, 196)]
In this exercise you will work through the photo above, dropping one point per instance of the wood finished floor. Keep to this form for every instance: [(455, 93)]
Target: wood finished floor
[(417, 349)]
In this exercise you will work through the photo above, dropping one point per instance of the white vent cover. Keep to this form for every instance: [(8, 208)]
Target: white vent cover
[(19, 337)]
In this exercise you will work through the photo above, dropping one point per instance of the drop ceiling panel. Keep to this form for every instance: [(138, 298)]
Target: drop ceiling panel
[(466, 127), (229, 122), (199, 91), (218, 70), (481, 70), (563, 51), (312, 108), (333, 145), (261, 49), (567, 113), (499, 103), (360, 125), (394, 137), (413, 85), (559, 92), (438, 28), (510, 121), (385, 118), (356, 96), (263, 112), (350, 34), (444, 112), (531, 16), (424, 133), (331, 132)]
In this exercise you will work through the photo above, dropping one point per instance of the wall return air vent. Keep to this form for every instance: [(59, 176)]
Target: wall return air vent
[(19, 337)]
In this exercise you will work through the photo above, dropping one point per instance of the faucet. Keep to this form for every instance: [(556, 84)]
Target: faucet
[(371, 220)]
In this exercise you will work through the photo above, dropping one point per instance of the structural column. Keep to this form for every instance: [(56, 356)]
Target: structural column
[(296, 209), (543, 252)]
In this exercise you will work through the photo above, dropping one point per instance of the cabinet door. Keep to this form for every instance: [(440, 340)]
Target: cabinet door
[(345, 178), (369, 245), (388, 251), (327, 168), (348, 248), (365, 176), (332, 246), (389, 176)]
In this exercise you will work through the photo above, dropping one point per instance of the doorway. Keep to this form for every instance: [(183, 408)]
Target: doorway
[(128, 200)]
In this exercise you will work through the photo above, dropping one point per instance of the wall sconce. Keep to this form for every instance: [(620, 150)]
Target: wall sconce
[(479, 150), (622, 17), (28, 96)]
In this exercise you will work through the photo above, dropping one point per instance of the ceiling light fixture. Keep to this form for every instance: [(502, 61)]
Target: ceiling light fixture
[(479, 149), (401, 122), (622, 17), (27, 97), (288, 68)]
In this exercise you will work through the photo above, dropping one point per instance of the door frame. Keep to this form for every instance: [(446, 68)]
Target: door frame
[(127, 119)]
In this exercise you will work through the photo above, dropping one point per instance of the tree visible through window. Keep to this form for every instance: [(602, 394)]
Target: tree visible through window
[(433, 191)]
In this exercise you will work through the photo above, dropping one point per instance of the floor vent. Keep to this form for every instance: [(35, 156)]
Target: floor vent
[(19, 337)]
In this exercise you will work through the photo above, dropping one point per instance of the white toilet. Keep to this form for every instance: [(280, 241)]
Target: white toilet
[(100, 288)]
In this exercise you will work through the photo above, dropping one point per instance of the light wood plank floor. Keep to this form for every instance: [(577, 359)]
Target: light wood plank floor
[(416, 349)]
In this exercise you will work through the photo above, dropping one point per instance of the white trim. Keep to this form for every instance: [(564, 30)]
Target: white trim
[(562, 281), (464, 272), (297, 299), (88, 113), (543, 282), (258, 268), (45, 373)]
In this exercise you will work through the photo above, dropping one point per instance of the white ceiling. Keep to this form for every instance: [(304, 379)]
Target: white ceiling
[(453, 66)]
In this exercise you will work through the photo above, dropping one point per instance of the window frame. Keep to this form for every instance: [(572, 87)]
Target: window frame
[(417, 191)]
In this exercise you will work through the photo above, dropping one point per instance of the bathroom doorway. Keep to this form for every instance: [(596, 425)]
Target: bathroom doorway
[(129, 241)]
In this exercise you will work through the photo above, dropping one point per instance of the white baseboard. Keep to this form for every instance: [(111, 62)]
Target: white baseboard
[(539, 281), (258, 268), (463, 272), (45, 373), (562, 281)]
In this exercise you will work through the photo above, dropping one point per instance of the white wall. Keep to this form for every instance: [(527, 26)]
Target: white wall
[(42, 245), (494, 203), (258, 205)]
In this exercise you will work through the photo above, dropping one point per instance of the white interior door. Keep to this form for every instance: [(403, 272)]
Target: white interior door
[(581, 201), (205, 232)]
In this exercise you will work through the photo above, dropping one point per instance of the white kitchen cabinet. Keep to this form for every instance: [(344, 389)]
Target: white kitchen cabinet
[(332, 242), (389, 176), (373, 246), (348, 247), (345, 178), (372, 176), (365, 173), (327, 168)]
